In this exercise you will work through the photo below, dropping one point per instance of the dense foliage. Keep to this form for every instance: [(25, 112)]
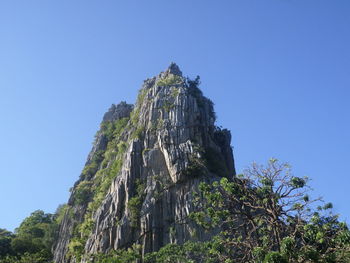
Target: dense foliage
[(32, 240), (130, 255), (96, 179), (267, 216)]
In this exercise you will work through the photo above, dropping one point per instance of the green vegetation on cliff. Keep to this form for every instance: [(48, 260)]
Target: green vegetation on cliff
[(263, 216), (106, 167)]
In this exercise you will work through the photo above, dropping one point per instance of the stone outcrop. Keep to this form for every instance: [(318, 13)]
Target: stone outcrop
[(116, 112), (146, 163)]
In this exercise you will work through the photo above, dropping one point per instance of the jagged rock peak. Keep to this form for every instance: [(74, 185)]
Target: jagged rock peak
[(172, 69), (119, 111), (146, 162)]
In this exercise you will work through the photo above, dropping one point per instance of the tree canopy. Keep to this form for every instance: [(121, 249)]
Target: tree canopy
[(266, 215), (32, 240)]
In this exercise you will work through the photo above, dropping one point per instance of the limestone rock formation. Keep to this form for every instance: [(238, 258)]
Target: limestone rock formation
[(147, 161)]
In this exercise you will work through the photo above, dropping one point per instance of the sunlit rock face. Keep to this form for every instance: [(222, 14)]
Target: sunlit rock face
[(169, 145)]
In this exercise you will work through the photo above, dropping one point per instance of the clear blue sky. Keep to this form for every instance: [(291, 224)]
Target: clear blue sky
[(278, 72)]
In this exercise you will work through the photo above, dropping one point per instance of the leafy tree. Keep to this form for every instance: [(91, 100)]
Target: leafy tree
[(189, 252), (83, 193), (37, 230), (266, 217), (129, 255), (5, 242), (38, 257), (32, 240)]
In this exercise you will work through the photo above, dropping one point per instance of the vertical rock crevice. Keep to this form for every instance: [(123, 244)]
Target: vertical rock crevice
[(147, 161)]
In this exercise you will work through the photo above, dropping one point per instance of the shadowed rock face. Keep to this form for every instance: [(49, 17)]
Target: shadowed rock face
[(171, 145)]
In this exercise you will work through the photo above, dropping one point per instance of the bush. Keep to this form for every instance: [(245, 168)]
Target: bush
[(90, 169), (112, 129), (196, 167), (274, 257), (135, 203), (189, 252), (137, 134), (83, 193), (170, 80), (61, 212), (76, 248), (130, 255), (86, 227), (216, 162)]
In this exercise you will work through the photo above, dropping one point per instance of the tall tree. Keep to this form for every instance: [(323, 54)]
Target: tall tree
[(266, 216)]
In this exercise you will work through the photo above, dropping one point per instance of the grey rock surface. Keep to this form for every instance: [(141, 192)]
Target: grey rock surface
[(115, 112), (177, 147)]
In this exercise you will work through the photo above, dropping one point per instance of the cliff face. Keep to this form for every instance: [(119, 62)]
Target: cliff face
[(147, 161)]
